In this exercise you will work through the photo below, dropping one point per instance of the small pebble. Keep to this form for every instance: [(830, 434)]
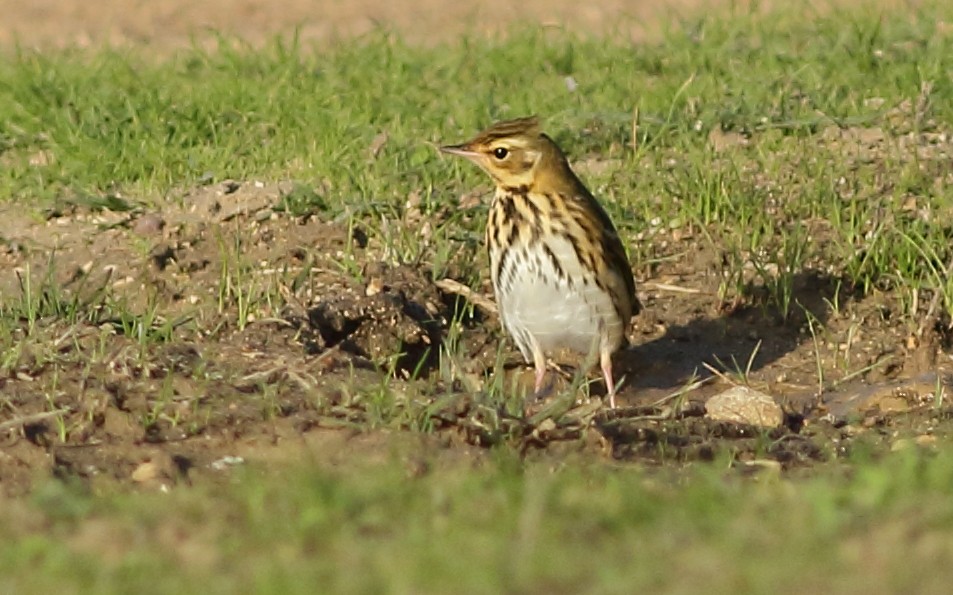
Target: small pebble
[(149, 224), (745, 405)]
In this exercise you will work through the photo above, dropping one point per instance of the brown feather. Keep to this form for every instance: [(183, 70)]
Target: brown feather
[(540, 208)]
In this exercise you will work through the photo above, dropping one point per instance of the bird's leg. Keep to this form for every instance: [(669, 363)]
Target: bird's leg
[(539, 362), (606, 362)]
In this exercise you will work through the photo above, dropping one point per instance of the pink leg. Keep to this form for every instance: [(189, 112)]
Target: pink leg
[(606, 361), (539, 362)]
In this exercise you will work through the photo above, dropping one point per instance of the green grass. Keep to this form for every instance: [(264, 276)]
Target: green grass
[(495, 526), (118, 130), (112, 120)]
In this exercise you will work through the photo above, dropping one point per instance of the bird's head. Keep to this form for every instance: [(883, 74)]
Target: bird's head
[(514, 152)]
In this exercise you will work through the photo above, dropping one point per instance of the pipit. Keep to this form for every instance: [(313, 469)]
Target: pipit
[(559, 270)]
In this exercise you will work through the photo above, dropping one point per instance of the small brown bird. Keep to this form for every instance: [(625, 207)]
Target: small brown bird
[(560, 273)]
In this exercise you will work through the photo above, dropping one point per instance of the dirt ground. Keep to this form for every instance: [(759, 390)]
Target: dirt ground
[(174, 23), (213, 394)]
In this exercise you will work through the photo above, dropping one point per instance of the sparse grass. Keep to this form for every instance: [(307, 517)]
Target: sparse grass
[(834, 161)]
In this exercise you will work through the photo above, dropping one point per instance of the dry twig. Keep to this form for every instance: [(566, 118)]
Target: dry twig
[(479, 300)]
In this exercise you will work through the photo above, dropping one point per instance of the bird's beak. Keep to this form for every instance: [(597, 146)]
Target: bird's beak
[(463, 150)]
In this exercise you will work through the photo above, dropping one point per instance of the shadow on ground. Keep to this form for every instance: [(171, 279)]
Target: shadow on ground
[(728, 340)]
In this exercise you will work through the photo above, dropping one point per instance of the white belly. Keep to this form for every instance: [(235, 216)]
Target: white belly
[(538, 304)]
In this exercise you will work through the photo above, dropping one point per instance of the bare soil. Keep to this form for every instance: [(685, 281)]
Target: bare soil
[(85, 399), (175, 23)]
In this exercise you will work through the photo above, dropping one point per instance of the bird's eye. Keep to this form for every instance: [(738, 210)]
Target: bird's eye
[(500, 152)]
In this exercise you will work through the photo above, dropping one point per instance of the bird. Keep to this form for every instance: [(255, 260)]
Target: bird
[(559, 269)]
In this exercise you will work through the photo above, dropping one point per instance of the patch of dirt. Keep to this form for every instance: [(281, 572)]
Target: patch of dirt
[(177, 23), (130, 363)]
